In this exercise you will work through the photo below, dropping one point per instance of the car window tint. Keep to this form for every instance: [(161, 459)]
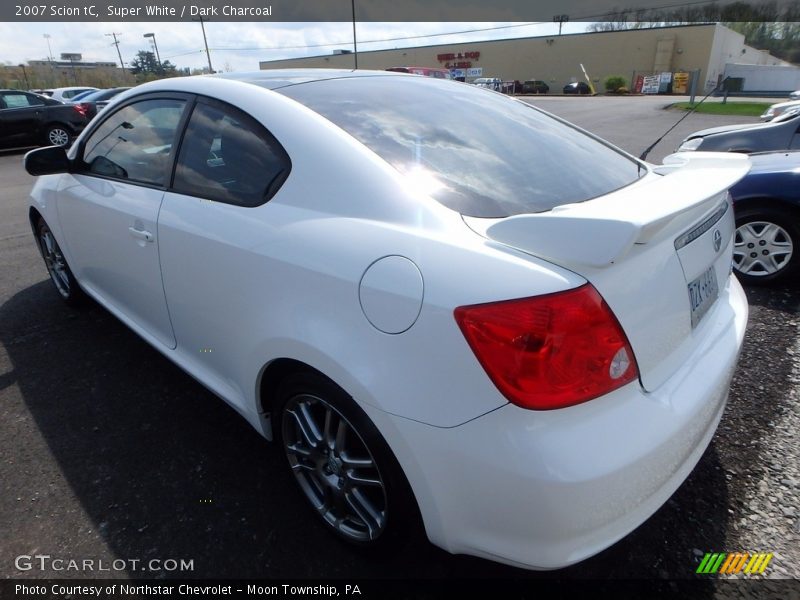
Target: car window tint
[(483, 155), (228, 157), (135, 142), (21, 100)]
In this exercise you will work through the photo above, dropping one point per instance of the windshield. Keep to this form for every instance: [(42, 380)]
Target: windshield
[(483, 155)]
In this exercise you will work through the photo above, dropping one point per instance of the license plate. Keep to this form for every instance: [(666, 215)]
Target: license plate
[(703, 291)]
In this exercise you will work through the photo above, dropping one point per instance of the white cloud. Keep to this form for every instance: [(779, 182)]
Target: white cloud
[(238, 46)]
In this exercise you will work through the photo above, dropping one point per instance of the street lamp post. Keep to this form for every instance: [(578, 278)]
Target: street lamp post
[(49, 49), (152, 36)]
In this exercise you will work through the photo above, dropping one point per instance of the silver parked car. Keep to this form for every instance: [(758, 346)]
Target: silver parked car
[(776, 110)]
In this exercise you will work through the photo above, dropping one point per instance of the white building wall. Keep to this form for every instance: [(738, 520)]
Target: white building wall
[(729, 48), (766, 78)]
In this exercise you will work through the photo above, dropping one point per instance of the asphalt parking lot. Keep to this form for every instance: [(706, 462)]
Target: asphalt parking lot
[(108, 451)]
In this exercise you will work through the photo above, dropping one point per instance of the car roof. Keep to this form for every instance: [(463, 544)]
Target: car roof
[(787, 103), (72, 87), (106, 92), (277, 78)]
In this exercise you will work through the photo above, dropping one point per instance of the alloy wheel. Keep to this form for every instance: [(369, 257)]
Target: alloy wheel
[(58, 136), (54, 260), (334, 468)]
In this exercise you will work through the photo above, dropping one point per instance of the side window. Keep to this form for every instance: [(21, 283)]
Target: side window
[(135, 143), (21, 100), (229, 157)]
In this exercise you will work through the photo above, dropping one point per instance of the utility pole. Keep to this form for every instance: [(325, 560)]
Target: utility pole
[(208, 55), (560, 19), (25, 73), (355, 44), (116, 43)]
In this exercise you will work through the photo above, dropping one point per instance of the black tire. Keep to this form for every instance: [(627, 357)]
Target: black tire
[(332, 472), (57, 267), (58, 135), (766, 246)]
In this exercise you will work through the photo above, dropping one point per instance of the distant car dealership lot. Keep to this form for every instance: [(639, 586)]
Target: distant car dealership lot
[(633, 123)]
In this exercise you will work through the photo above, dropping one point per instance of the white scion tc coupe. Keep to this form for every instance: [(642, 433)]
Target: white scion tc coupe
[(444, 305)]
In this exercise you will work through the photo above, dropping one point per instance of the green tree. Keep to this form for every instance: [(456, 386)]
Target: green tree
[(765, 25), (146, 67)]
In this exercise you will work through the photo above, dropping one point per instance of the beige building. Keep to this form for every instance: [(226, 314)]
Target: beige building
[(557, 59)]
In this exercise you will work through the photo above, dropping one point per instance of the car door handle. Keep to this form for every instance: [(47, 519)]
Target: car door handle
[(141, 234)]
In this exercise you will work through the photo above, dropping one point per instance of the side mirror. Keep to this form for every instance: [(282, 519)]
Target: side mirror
[(46, 161)]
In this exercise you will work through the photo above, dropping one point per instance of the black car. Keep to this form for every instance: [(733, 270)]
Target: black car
[(28, 119), (577, 87), (92, 103), (535, 86)]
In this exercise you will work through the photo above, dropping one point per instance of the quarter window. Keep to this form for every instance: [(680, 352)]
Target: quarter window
[(229, 157), (135, 143)]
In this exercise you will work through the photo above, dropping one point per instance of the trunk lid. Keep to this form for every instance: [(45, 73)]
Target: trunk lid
[(658, 251)]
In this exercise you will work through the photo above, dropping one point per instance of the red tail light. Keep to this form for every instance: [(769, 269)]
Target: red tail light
[(81, 108), (550, 351)]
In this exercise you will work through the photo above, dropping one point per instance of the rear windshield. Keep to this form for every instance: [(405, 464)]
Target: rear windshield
[(477, 152)]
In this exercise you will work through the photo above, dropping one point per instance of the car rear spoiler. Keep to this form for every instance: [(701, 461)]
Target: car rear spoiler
[(600, 232)]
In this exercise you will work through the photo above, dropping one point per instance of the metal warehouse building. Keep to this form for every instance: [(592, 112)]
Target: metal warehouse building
[(557, 59)]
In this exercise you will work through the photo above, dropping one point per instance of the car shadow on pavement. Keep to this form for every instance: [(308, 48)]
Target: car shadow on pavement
[(163, 468)]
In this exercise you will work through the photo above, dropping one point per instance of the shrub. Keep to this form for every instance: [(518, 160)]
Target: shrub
[(614, 82)]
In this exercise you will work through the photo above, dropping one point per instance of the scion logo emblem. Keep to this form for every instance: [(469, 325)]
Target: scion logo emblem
[(717, 240)]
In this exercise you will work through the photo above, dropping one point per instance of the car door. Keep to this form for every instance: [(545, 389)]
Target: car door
[(213, 241), (108, 210), (20, 117)]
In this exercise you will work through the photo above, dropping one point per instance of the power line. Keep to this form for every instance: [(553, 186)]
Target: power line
[(329, 44)]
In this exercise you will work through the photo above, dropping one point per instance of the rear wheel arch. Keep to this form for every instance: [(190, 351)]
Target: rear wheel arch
[(271, 377), (285, 374)]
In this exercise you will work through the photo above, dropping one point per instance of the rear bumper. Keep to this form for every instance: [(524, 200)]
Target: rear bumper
[(543, 490)]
